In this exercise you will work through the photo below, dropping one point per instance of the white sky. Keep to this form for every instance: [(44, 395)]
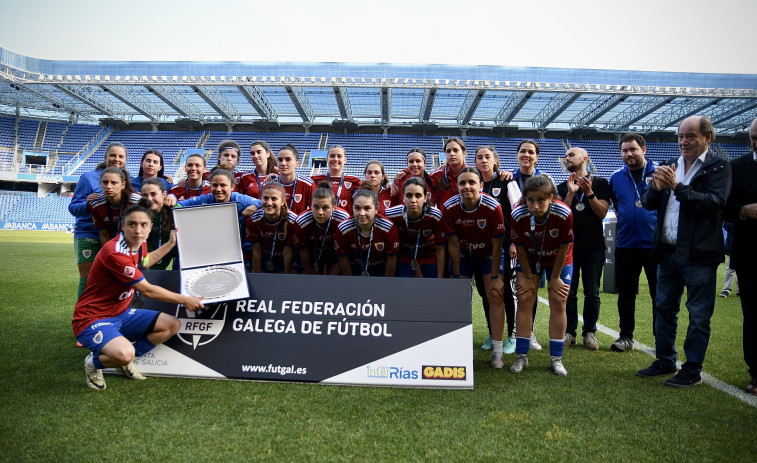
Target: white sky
[(655, 35)]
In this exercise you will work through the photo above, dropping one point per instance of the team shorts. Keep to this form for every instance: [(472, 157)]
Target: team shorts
[(404, 270), (566, 275), (133, 324), (86, 249), (468, 264)]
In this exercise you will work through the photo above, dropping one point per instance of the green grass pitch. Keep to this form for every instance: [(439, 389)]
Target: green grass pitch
[(600, 412)]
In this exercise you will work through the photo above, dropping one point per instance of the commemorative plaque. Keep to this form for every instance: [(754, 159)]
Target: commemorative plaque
[(210, 252)]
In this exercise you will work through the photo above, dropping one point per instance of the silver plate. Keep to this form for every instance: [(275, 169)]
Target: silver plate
[(214, 282)]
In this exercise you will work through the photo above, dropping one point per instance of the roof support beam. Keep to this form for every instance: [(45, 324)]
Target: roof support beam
[(215, 99), (59, 105), (87, 95), (554, 108), (259, 101), (740, 122), (511, 108), (597, 109), (676, 113), (178, 102), (469, 106), (429, 95), (386, 105), (726, 112), (133, 99), (343, 102), (301, 103), (637, 111)]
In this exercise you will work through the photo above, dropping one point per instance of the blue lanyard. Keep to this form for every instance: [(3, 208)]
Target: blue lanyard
[(118, 222), (634, 184), (339, 190), (367, 260), (407, 226), (294, 190), (323, 241), (275, 235), (543, 238)]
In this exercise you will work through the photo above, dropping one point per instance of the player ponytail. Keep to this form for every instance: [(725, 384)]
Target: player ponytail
[(324, 191)]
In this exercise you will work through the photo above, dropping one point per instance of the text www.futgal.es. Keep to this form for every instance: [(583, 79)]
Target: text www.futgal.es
[(278, 369)]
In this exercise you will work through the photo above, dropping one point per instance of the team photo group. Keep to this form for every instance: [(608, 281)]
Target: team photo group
[(509, 231)]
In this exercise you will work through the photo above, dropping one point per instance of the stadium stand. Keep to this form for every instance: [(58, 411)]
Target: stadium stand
[(64, 141)]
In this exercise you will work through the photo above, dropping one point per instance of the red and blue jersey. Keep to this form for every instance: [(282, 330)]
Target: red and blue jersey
[(271, 236), (299, 194), (187, 192), (475, 228), (109, 289), (427, 232), (344, 195), (350, 243), (104, 215), (547, 236)]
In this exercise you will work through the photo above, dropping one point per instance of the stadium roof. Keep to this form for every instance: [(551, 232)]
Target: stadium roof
[(349, 96)]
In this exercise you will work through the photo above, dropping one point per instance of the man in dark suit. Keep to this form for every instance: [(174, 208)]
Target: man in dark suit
[(741, 209), (689, 195)]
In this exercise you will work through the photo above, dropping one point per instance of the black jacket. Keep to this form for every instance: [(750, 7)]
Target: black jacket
[(699, 236), (744, 250)]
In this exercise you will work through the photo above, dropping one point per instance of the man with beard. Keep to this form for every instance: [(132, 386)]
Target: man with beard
[(589, 198), (633, 240)]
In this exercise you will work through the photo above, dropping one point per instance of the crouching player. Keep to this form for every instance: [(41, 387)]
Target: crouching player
[(542, 231), (103, 322)]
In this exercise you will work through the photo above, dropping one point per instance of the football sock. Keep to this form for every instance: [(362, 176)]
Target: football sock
[(522, 345), (82, 285), (96, 362), (497, 345), (143, 346), (556, 347)]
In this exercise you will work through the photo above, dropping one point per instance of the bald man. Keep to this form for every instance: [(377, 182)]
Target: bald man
[(689, 194), (589, 199)]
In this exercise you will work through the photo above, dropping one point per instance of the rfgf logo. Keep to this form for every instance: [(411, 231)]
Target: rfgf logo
[(443, 372)]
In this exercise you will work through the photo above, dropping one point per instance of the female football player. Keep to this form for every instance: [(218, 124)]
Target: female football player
[(151, 166), (542, 230), (251, 183), (344, 186), (314, 231), (421, 232), (269, 230), (367, 245), (102, 320), (108, 208), (474, 227), (86, 237), (375, 177), (162, 221)]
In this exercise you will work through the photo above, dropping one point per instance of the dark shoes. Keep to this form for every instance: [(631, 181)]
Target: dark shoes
[(751, 388), (656, 369), (684, 378)]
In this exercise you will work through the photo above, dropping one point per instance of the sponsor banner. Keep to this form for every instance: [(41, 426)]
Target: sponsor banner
[(47, 178), (407, 332), (43, 226)]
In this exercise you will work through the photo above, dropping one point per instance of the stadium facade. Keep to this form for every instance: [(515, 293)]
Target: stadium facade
[(56, 116)]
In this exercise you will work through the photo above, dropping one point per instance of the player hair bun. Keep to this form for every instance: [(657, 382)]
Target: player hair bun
[(324, 184), (144, 202)]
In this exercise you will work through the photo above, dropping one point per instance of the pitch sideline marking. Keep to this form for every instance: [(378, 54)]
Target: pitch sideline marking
[(722, 386)]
